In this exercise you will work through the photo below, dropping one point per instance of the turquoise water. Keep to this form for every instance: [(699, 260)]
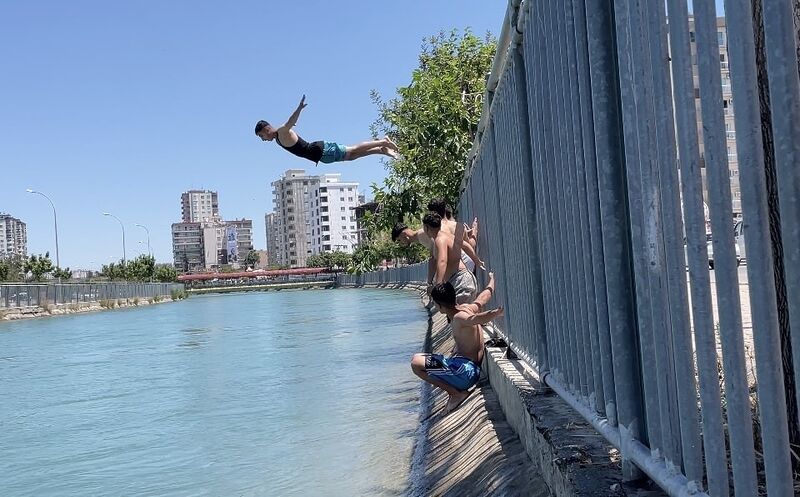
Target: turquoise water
[(275, 394)]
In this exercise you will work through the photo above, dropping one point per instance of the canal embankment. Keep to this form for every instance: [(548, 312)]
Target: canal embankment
[(512, 436), (26, 301)]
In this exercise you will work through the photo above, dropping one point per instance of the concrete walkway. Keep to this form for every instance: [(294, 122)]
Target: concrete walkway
[(472, 451)]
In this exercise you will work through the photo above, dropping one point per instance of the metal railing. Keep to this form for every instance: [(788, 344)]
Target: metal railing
[(27, 295), (417, 273), (586, 174)]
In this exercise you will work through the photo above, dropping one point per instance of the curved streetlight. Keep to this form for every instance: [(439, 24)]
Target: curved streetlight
[(123, 234), (55, 220), (149, 252)]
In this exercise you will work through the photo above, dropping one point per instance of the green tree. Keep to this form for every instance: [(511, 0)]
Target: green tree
[(62, 274), (165, 273), (252, 259), (316, 260), (140, 268), (15, 264), (433, 120), (114, 271), (5, 270), (39, 266)]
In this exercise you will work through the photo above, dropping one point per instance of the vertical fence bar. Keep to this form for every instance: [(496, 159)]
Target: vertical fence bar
[(601, 334), (686, 423), (629, 61), (529, 244), (534, 69), (737, 400), (556, 159), (583, 242), (603, 68), (652, 155), (784, 93), (688, 148), (566, 193), (760, 271)]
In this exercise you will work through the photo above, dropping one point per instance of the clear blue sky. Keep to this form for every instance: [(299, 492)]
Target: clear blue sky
[(121, 106)]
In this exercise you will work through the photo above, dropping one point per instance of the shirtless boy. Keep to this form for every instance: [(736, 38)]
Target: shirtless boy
[(320, 151), (459, 372)]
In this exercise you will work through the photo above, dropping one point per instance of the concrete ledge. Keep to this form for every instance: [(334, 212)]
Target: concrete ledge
[(572, 457)]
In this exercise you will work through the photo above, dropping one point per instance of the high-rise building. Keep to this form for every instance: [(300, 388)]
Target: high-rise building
[(727, 107), (200, 242), (272, 240), (187, 247), (333, 226), (292, 197), (244, 237), (312, 215), (198, 206), (13, 237)]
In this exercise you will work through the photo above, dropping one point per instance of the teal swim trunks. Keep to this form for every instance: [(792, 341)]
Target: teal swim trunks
[(457, 371), (333, 152)]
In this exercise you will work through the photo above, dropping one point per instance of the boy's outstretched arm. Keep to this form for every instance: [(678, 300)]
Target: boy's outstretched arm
[(470, 251), (442, 254), (483, 317), (485, 296), (292, 121)]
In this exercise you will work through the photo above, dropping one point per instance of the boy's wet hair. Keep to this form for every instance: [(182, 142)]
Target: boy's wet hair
[(398, 228), (261, 125), (439, 206), (444, 294), (432, 221)]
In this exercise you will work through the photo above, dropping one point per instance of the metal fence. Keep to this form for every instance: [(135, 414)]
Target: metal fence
[(26, 295), (418, 273), (587, 173)]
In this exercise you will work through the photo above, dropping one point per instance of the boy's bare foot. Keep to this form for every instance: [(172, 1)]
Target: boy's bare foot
[(390, 152), (392, 144), (455, 401)]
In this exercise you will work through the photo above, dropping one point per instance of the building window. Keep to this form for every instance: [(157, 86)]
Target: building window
[(326, 228), (341, 199), (352, 227), (721, 38), (691, 36), (325, 219), (323, 189), (349, 189), (344, 218), (722, 57), (323, 199), (349, 199), (326, 247)]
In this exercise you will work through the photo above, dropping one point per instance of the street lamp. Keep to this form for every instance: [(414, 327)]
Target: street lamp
[(123, 234), (55, 220), (149, 252)]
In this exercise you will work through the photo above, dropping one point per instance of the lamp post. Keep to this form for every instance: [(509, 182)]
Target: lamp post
[(149, 252), (55, 220), (123, 234)]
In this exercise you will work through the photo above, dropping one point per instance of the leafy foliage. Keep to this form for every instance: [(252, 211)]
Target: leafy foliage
[(433, 121), (39, 266), (15, 265), (252, 259), (143, 268), (63, 274), (330, 260), (165, 273)]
